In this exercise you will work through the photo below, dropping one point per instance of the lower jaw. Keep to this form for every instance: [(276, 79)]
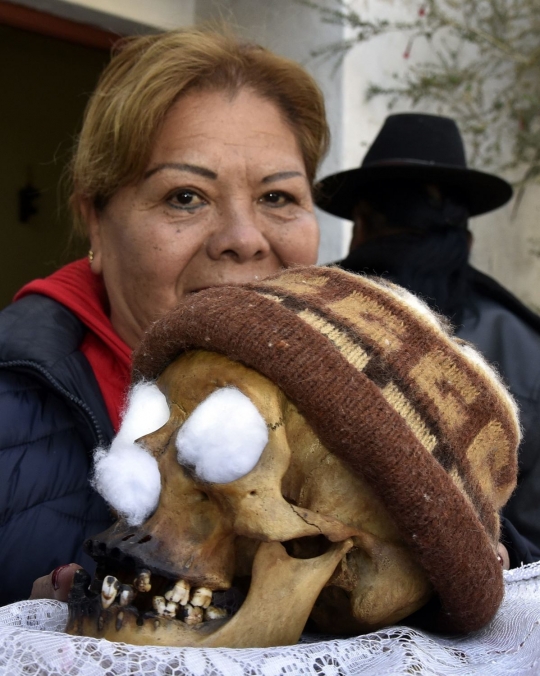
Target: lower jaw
[(282, 593)]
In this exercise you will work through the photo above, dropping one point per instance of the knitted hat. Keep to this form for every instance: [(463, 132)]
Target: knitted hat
[(377, 375)]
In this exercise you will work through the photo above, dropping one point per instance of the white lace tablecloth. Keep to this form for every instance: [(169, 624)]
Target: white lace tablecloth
[(32, 643)]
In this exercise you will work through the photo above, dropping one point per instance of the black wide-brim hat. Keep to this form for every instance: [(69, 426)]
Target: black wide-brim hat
[(413, 148)]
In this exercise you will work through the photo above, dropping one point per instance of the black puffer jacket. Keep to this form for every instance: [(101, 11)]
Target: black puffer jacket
[(52, 415)]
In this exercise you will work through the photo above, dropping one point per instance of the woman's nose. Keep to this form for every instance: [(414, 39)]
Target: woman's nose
[(238, 237)]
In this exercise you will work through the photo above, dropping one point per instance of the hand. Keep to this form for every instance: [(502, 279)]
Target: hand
[(56, 585), (503, 554)]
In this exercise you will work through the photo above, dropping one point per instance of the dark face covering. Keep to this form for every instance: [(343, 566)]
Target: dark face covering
[(432, 265), (429, 256)]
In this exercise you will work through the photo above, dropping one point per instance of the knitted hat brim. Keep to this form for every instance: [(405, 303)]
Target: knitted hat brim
[(266, 330), (478, 191)]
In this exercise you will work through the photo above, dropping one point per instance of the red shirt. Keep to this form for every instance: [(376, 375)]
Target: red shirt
[(82, 292)]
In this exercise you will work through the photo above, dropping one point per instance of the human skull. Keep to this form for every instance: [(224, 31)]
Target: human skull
[(299, 535)]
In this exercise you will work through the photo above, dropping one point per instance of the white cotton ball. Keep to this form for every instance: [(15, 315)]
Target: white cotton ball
[(126, 475), (128, 478), (146, 411), (223, 438)]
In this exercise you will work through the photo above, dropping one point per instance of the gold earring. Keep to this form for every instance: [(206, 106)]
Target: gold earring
[(90, 255)]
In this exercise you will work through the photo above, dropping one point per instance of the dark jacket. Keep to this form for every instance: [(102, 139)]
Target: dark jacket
[(52, 415), (508, 335)]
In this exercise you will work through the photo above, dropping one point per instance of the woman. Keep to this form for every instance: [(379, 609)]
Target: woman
[(193, 169)]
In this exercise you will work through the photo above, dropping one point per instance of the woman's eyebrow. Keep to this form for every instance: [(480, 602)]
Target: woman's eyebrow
[(192, 168), (280, 175)]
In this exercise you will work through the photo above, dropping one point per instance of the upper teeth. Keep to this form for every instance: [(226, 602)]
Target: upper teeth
[(179, 593), (201, 597), (127, 594), (109, 590)]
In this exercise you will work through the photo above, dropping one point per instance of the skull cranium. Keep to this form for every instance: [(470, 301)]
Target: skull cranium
[(299, 535)]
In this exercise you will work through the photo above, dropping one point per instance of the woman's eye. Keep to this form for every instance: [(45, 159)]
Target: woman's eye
[(185, 199), (277, 199)]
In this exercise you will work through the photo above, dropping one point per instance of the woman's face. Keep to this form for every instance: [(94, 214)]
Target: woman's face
[(225, 199)]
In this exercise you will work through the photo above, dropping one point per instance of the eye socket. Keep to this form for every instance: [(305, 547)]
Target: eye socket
[(223, 439), (277, 198), (185, 200)]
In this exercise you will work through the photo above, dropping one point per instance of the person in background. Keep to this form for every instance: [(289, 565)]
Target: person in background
[(194, 168), (410, 201)]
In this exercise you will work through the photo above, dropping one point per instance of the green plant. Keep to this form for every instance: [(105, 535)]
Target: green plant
[(483, 70)]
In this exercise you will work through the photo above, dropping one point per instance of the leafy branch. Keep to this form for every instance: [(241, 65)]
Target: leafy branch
[(483, 70)]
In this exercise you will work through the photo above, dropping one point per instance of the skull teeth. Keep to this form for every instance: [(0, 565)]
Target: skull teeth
[(179, 601), (213, 613), (194, 614), (109, 590), (198, 610), (164, 608), (160, 604), (119, 620), (201, 597), (179, 593), (126, 595), (143, 581)]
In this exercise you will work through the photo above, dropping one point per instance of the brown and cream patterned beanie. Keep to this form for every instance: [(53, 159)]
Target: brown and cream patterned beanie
[(385, 386)]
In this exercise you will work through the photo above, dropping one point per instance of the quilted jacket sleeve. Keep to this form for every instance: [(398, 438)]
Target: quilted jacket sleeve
[(47, 507)]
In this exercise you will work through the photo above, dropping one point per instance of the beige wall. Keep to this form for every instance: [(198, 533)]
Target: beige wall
[(158, 13), (507, 246), (44, 84), (122, 16)]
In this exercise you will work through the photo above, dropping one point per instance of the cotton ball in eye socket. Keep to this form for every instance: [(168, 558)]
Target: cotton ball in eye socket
[(126, 475), (223, 438), (146, 411), (128, 478)]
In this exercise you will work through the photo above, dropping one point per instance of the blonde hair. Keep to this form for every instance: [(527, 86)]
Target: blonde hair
[(147, 76)]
